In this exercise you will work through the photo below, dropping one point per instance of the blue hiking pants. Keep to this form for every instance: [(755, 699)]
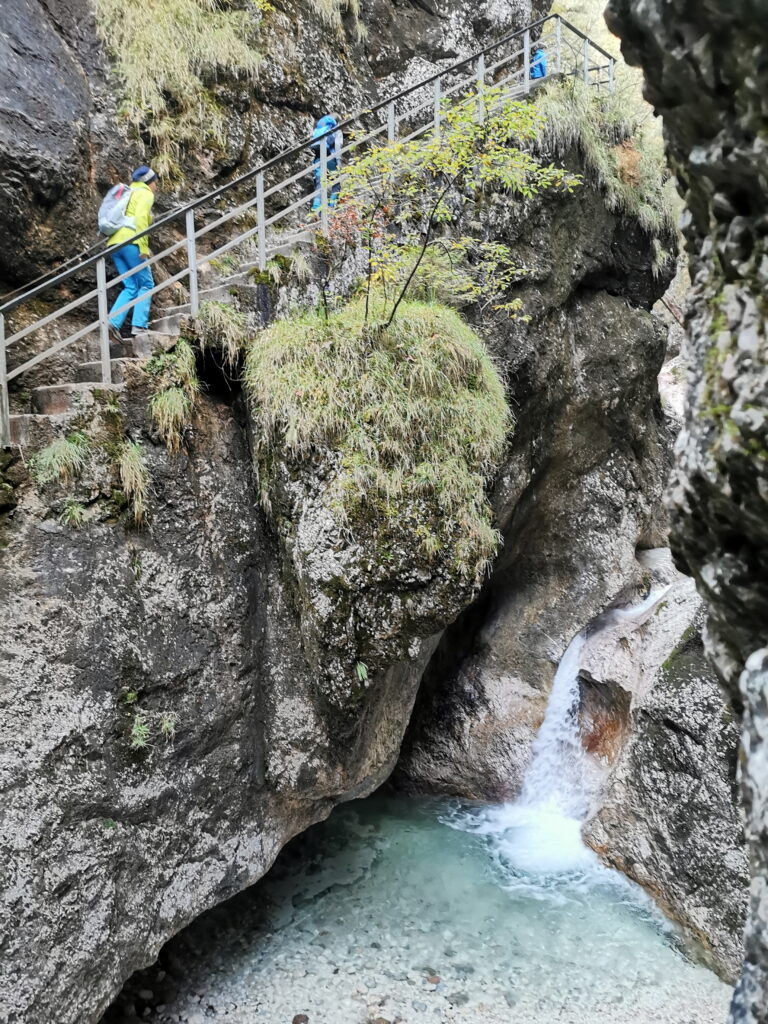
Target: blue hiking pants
[(335, 189), (137, 284)]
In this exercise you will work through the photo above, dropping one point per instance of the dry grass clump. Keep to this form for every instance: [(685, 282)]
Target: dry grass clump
[(331, 13), (176, 388), (220, 326), (134, 478), (413, 416), (625, 156)]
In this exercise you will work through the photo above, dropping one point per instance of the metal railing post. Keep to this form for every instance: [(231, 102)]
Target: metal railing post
[(260, 221), (558, 45), (194, 297), (611, 63), (438, 104), (481, 87), (527, 61), (5, 411), (391, 123), (586, 61), (101, 292), (324, 185)]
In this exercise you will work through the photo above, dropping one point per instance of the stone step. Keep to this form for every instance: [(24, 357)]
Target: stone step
[(90, 373), (57, 399), (30, 431), (142, 346)]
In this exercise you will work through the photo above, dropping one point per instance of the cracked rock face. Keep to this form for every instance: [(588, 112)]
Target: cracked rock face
[(706, 72)]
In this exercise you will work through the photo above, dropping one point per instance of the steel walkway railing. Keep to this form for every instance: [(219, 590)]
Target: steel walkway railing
[(276, 189)]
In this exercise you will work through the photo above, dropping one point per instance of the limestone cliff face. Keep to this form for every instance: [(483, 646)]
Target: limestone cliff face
[(109, 846), (579, 500), (579, 493), (705, 68)]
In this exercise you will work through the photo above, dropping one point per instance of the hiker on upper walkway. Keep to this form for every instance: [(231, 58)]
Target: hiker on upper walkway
[(539, 63), (334, 144), (139, 215)]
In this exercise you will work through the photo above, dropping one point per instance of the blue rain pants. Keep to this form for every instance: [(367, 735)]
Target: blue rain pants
[(137, 284)]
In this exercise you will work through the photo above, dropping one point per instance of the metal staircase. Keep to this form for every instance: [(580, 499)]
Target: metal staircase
[(276, 197)]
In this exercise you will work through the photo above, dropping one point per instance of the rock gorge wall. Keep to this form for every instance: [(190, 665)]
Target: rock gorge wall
[(705, 72), (107, 850)]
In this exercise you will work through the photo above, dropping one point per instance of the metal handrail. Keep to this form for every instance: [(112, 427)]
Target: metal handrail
[(579, 63)]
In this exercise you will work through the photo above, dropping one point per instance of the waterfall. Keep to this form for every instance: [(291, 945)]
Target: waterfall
[(540, 833), (556, 775)]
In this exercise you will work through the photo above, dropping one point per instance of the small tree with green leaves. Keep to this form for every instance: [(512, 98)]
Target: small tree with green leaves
[(401, 199)]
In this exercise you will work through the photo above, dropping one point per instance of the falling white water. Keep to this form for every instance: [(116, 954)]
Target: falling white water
[(540, 834), (555, 776), (542, 830)]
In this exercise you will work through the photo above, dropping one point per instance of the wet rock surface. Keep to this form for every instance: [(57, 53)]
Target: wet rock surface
[(668, 813), (705, 71)]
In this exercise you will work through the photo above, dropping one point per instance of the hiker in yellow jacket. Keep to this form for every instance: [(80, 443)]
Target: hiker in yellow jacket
[(139, 210)]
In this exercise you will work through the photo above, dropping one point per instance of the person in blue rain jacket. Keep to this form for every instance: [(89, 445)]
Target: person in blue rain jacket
[(334, 144), (539, 63)]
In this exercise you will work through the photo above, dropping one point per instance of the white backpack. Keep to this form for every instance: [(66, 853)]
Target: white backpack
[(112, 210)]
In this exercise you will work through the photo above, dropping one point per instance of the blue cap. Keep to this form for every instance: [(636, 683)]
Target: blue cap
[(143, 173)]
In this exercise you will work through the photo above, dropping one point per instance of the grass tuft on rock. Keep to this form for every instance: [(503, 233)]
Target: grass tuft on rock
[(221, 327), (176, 387), (169, 54), (63, 459), (134, 478), (73, 514), (413, 418), (623, 154)]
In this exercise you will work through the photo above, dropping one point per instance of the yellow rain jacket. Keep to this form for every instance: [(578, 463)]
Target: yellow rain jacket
[(140, 208)]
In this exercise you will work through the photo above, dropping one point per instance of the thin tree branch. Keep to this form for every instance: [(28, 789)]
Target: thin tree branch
[(417, 264)]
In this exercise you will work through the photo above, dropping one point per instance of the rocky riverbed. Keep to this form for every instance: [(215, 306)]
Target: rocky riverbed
[(399, 911)]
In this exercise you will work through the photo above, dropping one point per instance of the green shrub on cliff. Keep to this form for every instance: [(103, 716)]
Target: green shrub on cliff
[(401, 203), (411, 417)]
